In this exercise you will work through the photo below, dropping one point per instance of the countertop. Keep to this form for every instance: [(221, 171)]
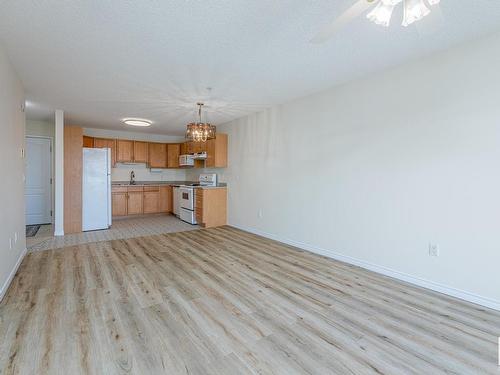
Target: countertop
[(173, 183)]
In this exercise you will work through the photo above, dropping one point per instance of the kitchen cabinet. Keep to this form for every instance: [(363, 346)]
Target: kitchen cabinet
[(142, 199), (107, 143), (199, 147), (124, 151), (151, 199), (211, 207), (135, 200), (88, 142), (158, 155), (119, 201), (165, 199), (217, 152), (131, 151), (173, 153), (140, 152)]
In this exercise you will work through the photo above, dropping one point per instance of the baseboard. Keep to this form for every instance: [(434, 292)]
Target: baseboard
[(450, 291), (6, 285)]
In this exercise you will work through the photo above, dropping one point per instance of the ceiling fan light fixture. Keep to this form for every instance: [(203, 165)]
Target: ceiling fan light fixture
[(414, 10), (433, 2), (382, 13)]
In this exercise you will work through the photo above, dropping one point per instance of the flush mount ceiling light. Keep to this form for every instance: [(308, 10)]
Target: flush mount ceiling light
[(137, 122), (414, 10), (200, 131)]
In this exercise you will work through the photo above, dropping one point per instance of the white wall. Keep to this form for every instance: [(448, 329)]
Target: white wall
[(374, 170), (40, 128), (12, 169), (122, 171)]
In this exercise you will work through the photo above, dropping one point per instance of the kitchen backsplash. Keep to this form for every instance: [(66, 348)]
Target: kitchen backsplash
[(121, 172)]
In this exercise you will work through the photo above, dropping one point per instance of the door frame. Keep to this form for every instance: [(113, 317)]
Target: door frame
[(51, 171)]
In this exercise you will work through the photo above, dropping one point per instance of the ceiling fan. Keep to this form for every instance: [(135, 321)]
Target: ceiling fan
[(414, 10)]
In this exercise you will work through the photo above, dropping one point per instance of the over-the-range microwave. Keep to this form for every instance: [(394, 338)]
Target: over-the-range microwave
[(186, 160)]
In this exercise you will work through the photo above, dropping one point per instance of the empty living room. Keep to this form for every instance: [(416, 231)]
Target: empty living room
[(250, 187)]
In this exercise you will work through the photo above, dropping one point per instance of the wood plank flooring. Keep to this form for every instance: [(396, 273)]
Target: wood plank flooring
[(223, 301)]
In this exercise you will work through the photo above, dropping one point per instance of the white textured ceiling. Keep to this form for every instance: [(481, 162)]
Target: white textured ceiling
[(101, 61)]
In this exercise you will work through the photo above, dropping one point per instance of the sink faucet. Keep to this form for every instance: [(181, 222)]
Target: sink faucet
[(132, 176)]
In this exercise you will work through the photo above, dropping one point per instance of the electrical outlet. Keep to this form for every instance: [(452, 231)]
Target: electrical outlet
[(433, 250), (15, 237), (10, 243), (260, 213)]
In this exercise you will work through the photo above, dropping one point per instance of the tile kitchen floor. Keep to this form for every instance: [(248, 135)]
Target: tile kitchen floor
[(121, 228)]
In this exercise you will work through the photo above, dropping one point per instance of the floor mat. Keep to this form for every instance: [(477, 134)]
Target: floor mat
[(32, 230)]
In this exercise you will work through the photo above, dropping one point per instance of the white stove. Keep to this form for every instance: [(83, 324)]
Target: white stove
[(186, 196)]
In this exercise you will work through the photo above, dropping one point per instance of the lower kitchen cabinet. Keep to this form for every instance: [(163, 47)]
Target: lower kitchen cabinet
[(151, 201), (119, 201), (211, 207), (135, 203), (165, 204), (141, 199)]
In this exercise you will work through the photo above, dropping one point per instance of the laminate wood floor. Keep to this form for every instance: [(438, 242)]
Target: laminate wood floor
[(223, 301)]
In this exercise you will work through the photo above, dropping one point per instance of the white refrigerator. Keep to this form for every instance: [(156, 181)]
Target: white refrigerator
[(96, 189)]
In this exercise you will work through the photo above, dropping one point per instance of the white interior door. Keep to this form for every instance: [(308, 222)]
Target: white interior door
[(38, 189)]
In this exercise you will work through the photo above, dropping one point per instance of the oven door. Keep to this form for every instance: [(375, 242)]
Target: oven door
[(188, 216), (186, 198)]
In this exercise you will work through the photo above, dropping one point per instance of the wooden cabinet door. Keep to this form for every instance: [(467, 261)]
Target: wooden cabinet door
[(174, 151), (158, 155), (151, 202), (189, 147), (124, 151), (88, 141), (217, 152), (184, 148), (135, 203), (165, 204), (210, 160), (199, 147), (107, 143), (140, 152), (119, 204)]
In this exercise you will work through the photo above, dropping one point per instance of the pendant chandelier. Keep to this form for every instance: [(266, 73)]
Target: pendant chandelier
[(414, 10), (200, 131)]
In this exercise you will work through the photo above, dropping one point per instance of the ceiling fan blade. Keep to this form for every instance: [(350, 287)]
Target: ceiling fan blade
[(351, 13)]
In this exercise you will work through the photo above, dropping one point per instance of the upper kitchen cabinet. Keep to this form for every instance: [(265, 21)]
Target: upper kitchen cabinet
[(88, 141), (158, 155), (131, 151), (173, 153), (199, 147), (107, 143), (124, 151), (187, 148), (140, 152), (216, 152)]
